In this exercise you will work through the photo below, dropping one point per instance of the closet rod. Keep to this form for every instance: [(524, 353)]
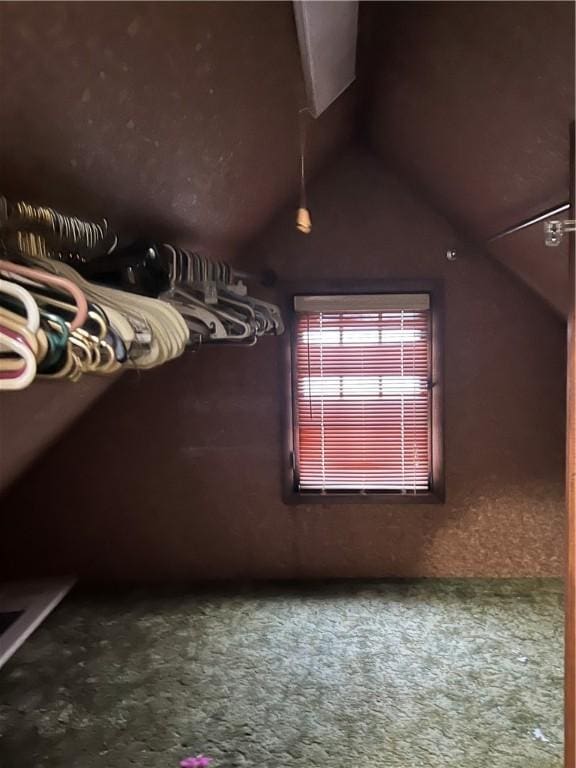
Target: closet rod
[(530, 222)]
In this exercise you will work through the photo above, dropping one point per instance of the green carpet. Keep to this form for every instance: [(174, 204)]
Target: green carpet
[(430, 674)]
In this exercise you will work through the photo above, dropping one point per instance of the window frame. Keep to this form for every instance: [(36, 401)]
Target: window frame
[(436, 494)]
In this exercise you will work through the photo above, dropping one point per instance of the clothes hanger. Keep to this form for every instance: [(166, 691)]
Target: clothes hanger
[(189, 305), (10, 268), (109, 363), (52, 336), (207, 301), (210, 282), (22, 378), (20, 302), (17, 324), (58, 334), (197, 320), (170, 327), (224, 325), (137, 268), (107, 342), (70, 368), (96, 353), (25, 298), (269, 312), (186, 295), (37, 341), (242, 307), (152, 317), (62, 232), (63, 365), (139, 311)]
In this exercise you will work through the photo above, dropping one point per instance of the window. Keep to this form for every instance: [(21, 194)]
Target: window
[(363, 400)]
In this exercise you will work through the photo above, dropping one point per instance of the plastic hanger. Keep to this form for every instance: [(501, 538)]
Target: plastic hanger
[(190, 307), (26, 299), (151, 318), (22, 378), (58, 334), (47, 278), (17, 324)]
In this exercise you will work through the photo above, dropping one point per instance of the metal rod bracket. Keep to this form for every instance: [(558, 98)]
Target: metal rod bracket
[(555, 230)]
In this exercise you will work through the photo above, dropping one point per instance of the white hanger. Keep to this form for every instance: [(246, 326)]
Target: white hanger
[(29, 372), (17, 292)]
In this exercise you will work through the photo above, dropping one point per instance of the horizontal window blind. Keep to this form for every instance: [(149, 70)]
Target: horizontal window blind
[(362, 399)]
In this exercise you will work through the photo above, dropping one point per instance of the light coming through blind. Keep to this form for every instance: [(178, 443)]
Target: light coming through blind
[(363, 406)]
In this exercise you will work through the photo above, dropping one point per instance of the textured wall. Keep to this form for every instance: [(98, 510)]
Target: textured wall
[(33, 419), (472, 102), (176, 473)]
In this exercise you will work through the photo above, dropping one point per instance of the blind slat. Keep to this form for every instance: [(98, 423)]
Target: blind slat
[(362, 396)]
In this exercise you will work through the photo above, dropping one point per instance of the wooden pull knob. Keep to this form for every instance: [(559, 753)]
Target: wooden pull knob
[(303, 221)]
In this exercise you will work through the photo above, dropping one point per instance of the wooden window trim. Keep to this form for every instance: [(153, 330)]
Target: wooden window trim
[(291, 495)]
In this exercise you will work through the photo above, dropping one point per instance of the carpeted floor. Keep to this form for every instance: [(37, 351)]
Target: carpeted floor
[(436, 674)]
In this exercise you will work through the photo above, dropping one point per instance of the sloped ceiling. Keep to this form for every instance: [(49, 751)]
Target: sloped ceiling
[(472, 102), (179, 119)]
